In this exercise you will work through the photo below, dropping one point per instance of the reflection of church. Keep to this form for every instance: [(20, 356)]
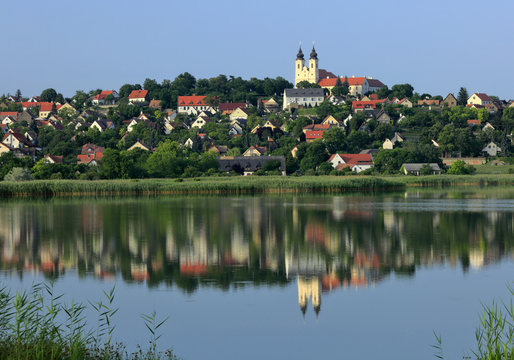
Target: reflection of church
[(309, 288)]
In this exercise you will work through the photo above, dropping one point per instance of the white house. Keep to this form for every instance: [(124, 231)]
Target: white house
[(138, 96), (303, 97), (192, 105), (492, 149), (356, 162), (99, 99)]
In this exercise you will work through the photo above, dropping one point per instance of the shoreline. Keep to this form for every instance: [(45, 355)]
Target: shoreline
[(243, 185)]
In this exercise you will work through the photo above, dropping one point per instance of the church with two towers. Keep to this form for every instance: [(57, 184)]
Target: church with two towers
[(313, 74)]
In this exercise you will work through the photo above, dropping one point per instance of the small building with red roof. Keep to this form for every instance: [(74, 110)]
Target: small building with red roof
[(99, 99), (472, 123), (356, 85), (366, 105), (356, 162), (138, 96), (193, 105)]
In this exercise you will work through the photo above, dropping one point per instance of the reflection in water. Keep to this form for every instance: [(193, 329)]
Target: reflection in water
[(325, 243)]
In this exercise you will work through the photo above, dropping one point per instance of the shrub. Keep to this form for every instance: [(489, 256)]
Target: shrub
[(459, 167), (18, 174)]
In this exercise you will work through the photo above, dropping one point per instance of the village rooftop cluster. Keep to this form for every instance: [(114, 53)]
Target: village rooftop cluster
[(323, 124)]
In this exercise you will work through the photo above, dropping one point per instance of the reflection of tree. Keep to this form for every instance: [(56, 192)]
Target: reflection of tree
[(224, 242)]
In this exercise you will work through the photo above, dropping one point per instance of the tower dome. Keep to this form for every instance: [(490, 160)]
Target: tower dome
[(299, 56), (314, 54)]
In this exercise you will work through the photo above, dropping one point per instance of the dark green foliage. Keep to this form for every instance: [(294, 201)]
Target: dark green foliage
[(48, 95), (390, 161), (306, 85), (462, 98), (9, 161)]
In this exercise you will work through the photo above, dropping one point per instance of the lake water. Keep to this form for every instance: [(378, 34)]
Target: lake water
[(305, 277)]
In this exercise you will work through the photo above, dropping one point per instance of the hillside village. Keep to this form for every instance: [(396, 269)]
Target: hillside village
[(188, 127)]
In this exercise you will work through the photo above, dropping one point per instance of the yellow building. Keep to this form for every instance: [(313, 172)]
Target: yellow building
[(304, 73)]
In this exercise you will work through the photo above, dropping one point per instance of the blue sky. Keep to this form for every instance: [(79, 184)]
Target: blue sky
[(437, 46)]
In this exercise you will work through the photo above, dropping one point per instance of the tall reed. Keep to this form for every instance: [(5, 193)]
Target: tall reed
[(38, 325)]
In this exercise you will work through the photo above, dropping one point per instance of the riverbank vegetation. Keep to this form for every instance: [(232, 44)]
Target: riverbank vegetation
[(244, 185), (39, 325), (494, 334), (220, 185)]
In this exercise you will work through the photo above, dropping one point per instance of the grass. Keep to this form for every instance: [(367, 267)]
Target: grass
[(495, 333), (491, 169), (38, 325), (245, 185), (221, 185)]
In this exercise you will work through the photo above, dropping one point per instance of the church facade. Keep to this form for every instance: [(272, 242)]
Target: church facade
[(327, 80), (306, 73)]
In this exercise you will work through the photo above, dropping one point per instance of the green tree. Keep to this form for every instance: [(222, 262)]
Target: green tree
[(338, 88), (166, 161), (426, 169), (459, 167), (335, 140), (306, 85), (401, 91), (48, 95), (18, 174), (462, 98), (315, 154)]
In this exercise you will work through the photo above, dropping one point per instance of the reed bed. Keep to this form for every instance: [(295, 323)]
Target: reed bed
[(455, 180), (39, 325), (244, 185), (222, 185)]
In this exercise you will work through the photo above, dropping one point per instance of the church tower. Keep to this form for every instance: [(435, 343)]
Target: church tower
[(313, 66), (299, 66), (304, 73)]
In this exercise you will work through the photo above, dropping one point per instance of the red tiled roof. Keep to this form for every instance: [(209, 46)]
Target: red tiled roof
[(231, 106), (332, 81), (317, 127), (155, 103), (312, 135), (192, 100), (92, 149), (474, 122), (103, 94), (8, 113), (138, 94), (354, 158), (366, 104), (87, 158), (43, 106)]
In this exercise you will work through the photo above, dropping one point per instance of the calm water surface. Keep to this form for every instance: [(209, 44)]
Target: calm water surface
[(310, 277)]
